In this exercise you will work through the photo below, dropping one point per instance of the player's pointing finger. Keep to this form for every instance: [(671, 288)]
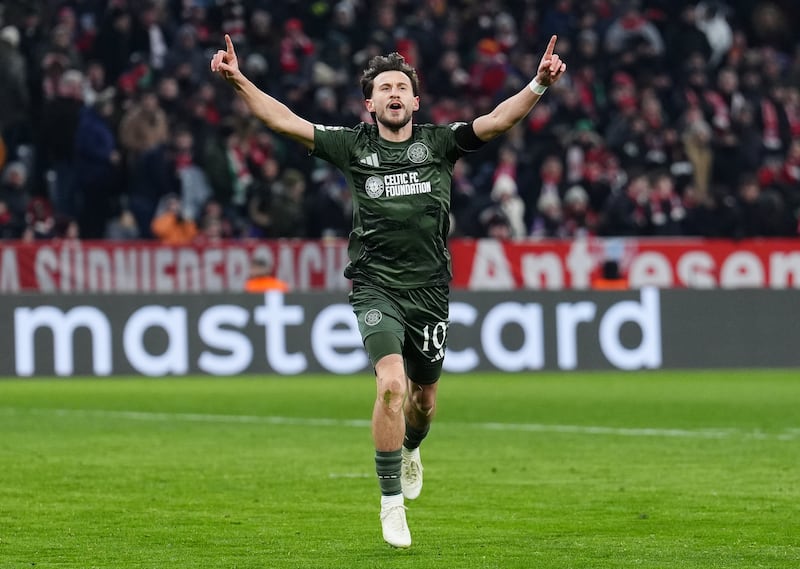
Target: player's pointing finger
[(550, 46), (229, 44)]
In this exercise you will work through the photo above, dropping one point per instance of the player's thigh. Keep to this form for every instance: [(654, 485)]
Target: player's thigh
[(380, 321), (427, 324)]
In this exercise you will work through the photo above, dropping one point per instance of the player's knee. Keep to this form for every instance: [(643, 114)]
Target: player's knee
[(423, 402), (425, 407), (391, 392)]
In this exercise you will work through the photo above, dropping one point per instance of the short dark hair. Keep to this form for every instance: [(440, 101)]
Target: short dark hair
[(392, 62)]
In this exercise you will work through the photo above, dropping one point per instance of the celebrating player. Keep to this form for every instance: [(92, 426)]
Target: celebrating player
[(399, 174)]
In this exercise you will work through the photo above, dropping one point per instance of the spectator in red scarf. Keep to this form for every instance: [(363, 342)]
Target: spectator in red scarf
[(666, 210)]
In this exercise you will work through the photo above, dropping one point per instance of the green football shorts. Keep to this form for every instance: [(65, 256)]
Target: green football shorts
[(410, 322)]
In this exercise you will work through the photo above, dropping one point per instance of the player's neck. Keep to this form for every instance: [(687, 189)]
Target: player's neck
[(395, 135)]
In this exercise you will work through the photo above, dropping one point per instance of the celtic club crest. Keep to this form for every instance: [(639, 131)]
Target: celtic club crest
[(374, 186), (418, 153), (372, 317)]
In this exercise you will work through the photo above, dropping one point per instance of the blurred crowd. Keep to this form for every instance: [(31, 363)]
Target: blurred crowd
[(675, 117)]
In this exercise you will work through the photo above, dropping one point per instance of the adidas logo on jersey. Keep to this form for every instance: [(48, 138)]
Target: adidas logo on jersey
[(371, 160)]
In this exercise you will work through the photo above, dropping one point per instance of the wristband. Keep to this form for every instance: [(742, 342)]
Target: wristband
[(537, 87)]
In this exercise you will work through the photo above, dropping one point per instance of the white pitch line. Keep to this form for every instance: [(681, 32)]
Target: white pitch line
[(785, 435), (621, 431), (192, 417)]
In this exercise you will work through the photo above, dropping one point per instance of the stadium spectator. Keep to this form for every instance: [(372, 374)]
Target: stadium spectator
[(144, 132), (14, 199), (170, 225), (506, 199), (578, 219), (113, 45), (488, 71), (685, 39), (195, 191), (627, 213), (150, 36), (462, 202), (610, 277), (753, 219), (289, 207), (96, 165), (696, 139), (331, 211), (145, 126), (547, 222), (122, 227), (261, 277), (716, 216), (61, 116), (14, 95), (713, 22), (10, 227), (634, 40), (259, 200), (665, 211), (213, 223), (450, 78), (788, 183), (186, 60), (551, 180), (40, 220)]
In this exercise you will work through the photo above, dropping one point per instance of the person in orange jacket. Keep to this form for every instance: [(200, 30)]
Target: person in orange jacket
[(610, 278), (262, 279), (170, 226)]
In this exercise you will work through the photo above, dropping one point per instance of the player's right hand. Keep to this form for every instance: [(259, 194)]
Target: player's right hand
[(225, 61), (551, 68)]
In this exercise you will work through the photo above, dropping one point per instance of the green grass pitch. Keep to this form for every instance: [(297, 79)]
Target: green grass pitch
[(574, 470)]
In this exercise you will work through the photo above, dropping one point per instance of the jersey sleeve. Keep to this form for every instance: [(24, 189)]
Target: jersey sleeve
[(458, 139), (333, 144), (466, 139)]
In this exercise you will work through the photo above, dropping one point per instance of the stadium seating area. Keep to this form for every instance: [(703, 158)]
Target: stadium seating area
[(675, 118)]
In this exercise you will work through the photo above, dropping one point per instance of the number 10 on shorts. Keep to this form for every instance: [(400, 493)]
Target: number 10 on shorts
[(437, 337)]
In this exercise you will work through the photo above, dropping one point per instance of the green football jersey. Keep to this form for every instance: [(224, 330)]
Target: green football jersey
[(401, 201)]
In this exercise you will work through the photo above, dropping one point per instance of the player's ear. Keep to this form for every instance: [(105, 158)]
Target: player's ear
[(370, 105), (416, 104)]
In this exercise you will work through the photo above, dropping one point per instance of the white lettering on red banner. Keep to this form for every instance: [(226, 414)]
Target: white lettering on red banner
[(133, 267), (681, 263), (485, 264)]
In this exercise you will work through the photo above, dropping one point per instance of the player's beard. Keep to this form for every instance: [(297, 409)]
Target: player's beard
[(394, 123)]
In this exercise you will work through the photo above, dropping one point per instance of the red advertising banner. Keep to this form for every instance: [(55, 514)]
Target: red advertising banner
[(140, 266), (663, 263), (143, 266)]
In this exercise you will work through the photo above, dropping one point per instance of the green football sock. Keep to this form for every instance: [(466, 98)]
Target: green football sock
[(414, 437), (387, 465)]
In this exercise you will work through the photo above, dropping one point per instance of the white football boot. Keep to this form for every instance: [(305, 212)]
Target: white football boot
[(411, 473), (393, 522)]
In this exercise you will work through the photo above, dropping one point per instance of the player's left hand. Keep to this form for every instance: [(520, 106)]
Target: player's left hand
[(551, 68)]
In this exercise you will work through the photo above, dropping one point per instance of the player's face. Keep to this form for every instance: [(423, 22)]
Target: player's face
[(393, 100)]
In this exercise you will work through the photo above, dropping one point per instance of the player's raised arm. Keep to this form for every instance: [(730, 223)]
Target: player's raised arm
[(272, 112), (515, 108)]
